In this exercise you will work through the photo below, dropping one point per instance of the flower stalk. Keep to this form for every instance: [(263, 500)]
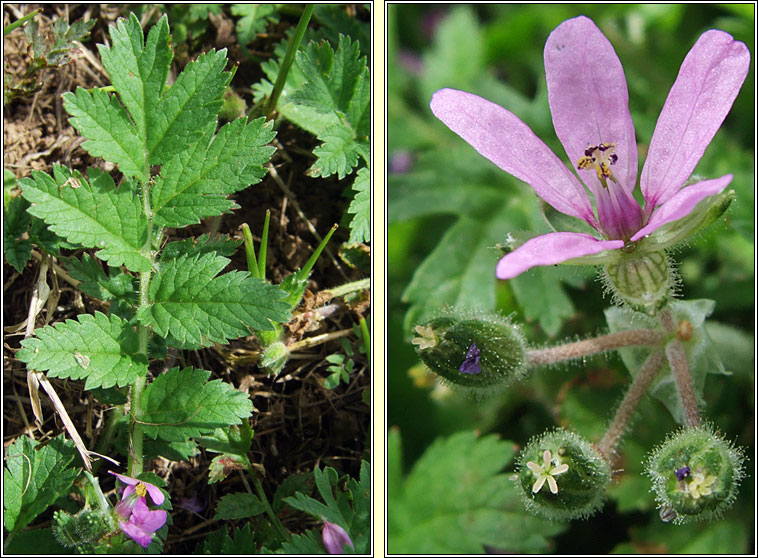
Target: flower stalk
[(620, 422), (680, 368), (586, 347)]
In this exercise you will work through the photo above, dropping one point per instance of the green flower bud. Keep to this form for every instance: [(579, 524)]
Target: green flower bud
[(78, 530), (642, 281), (474, 352), (562, 476), (234, 106), (275, 356), (695, 474)]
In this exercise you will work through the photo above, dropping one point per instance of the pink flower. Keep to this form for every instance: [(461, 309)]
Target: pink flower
[(140, 522), (589, 103), (143, 523), (335, 538)]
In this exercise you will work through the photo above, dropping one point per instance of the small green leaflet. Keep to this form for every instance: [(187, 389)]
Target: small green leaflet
[(181, 404), (360, 207), (197, 307), (195, 184), (94, 215), (103, 349)]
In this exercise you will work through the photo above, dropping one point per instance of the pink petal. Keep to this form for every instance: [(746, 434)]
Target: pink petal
[(335, 538), (154, 491), (682, 203), (125, 479), (708, 82), (589, 102), (505, 140), (549, 249), (146, 519), (136, 533)]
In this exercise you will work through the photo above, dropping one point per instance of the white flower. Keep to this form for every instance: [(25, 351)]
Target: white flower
[(546, 472)]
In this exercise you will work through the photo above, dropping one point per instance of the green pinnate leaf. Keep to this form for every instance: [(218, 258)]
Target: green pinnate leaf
[(349, 507), (179, 404), (16, 222), (336, 83), (255, 18), (110, 134), (479, 495), (337, 155), (195, 184), (103, 349), (239, 506), (115, 285), (138, 69), (222, 244), (360, 208), (332, 78), (195, 306), (242, 541), (304, 544), (35, 478), (92, 213), (188, 107)]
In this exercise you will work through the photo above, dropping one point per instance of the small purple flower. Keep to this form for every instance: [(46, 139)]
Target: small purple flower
[(589, 102), (335, 538), (470, 364), (682, 473), (135, 519), (135, 489), (143, 523)]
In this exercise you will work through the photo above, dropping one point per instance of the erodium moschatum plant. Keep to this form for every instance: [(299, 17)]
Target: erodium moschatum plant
[(175, 166)]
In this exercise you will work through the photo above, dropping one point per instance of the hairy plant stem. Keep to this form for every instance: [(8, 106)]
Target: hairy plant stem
[(143, 332), (592, 346), (289, 57), (624, 413), (680, 368)]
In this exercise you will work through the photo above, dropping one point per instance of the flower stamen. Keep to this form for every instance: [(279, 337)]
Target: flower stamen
[(600, 157)]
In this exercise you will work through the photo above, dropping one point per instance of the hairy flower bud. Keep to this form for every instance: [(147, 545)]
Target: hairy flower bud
[(562, 476), (695, 474), (474, 352)]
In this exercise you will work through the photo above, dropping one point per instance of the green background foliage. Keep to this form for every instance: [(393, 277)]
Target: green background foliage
[(448, 208)]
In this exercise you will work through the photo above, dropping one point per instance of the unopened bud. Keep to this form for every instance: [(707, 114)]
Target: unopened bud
[(476, 352)]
